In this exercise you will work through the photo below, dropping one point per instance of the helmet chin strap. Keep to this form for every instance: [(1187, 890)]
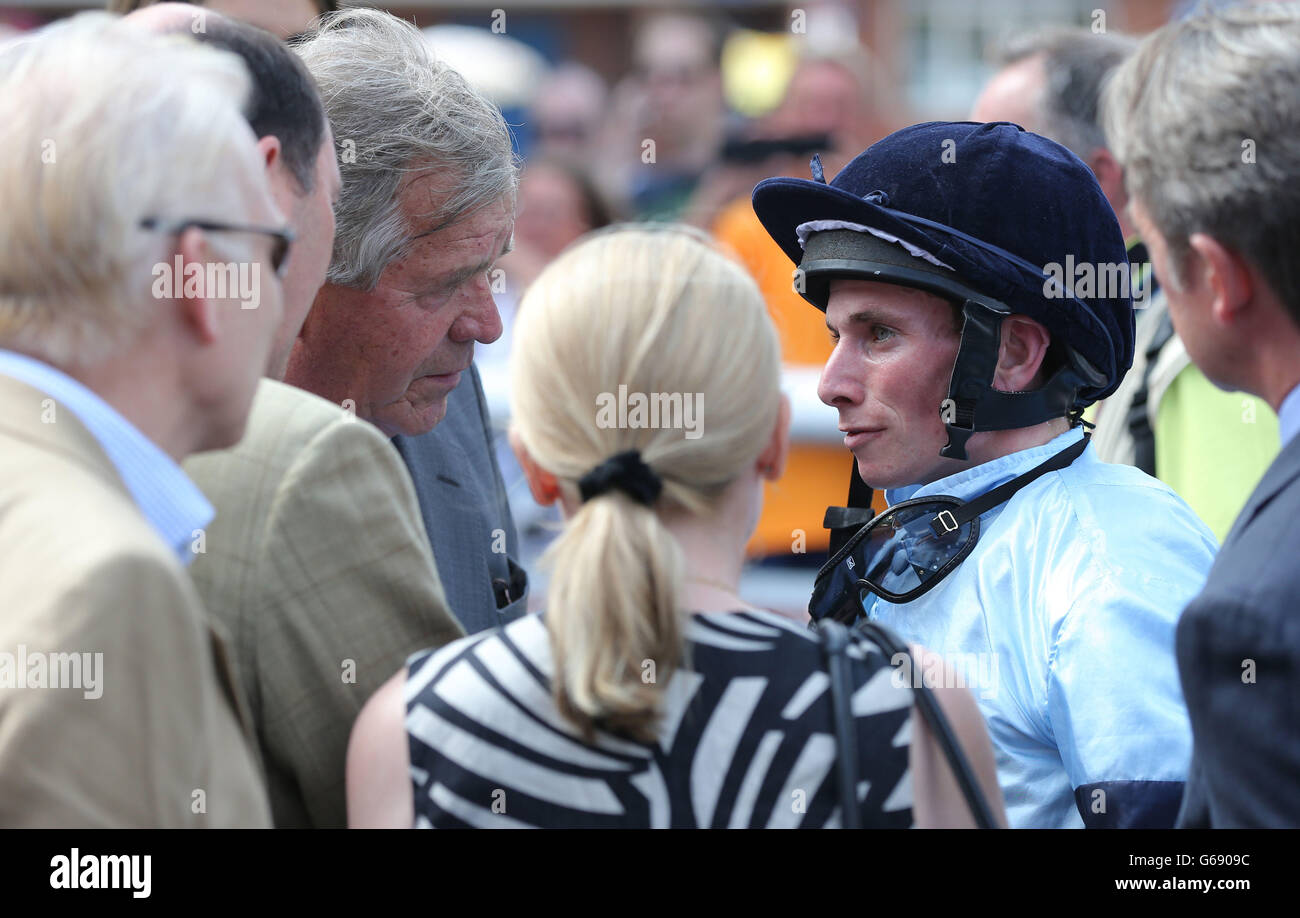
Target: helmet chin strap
[(974, 405)]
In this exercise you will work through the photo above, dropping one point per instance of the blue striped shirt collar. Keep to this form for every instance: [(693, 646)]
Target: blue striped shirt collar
[(166, 497)]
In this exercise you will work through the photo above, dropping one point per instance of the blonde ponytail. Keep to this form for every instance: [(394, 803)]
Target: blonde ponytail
[(613, 615), (652, 310)]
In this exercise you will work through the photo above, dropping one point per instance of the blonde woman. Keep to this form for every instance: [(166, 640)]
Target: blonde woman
[(648, 693)]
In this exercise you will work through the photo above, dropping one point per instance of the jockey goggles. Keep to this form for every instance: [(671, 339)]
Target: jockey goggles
[(908, 550)]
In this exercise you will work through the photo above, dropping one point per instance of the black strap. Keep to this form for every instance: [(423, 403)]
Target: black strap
[(843, 522), (985, 502), (1139, 418), (973, 404), (835, 644), (939, 726)]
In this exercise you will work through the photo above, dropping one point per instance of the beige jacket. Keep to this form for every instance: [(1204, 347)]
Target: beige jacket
[(319, 565), (82, 572)]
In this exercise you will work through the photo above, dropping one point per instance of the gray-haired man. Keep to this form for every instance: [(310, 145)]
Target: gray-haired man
[(1205, 122), (429, 181)]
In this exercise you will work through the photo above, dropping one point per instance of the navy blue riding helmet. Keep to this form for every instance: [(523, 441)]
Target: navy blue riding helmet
[(973, 213)]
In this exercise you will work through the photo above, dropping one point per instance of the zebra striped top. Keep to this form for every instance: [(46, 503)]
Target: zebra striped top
[(746, 740)]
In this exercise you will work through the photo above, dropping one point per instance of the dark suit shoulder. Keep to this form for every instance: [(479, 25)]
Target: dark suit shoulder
[(1238, 646)]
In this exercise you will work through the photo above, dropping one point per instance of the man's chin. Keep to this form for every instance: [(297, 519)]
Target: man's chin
[(880, 477), (869, 473), (405, 420)]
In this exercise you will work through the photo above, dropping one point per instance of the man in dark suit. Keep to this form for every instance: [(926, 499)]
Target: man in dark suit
[(1186, 116), (463, 501)]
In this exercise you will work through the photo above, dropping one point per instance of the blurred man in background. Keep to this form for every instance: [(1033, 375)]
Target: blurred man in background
[(567, 113), (829, 97), (1166, 417), (285, 19), (134, 153), (668, 117)]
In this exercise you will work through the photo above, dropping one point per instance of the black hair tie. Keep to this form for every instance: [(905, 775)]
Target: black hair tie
[(624, 472)]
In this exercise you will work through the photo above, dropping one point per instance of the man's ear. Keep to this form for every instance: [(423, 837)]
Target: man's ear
[(771, 462), (1024, 345), (268, 148), (200, 313), (1110, 176), (544, 486), (1225, 274)]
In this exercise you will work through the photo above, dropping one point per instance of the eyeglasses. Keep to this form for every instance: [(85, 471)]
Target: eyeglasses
[(283, 238), (907, 551)]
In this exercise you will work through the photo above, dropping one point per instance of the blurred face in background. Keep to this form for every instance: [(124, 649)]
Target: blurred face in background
[(1014, 94), (679, 75), (553, 211), (567, 112), (282, 18), (823, 98)]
